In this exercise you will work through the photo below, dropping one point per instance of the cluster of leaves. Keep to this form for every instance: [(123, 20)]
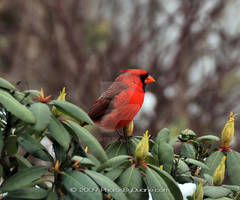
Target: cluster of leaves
[(129, 168), (203, 161)]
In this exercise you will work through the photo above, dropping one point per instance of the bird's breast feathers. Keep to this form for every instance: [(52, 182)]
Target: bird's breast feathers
[(129, 96)]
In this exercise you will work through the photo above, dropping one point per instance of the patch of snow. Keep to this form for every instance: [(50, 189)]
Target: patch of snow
[(150, 196), (187, 189)]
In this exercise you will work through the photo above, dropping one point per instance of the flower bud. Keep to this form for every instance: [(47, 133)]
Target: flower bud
[(228, 131), (128, 130), (218, 175), (61, 97), (142, 147), (198, 194)]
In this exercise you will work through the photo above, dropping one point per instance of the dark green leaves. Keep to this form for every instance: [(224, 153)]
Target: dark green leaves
[(216, 191), (6, 85), (107, 184), (233, 167), (113, 162), (22, 162), (163, 136), (16, 108), (32, 92), (28, 193), (59, 133), (196, 162), (83, 161), (35, 148), (157, 185), (42, 115), (52, 196), (208, 138), (114, 173), (80, 186), (88, 140), (23, 178), (72, 111), (212, 162), (1, 141), (12, 146), (171, 183), (162, 151), (119, 148), (188, 151), (132, 179)]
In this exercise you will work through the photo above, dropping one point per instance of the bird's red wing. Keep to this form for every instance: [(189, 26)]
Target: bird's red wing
[(104, 105)]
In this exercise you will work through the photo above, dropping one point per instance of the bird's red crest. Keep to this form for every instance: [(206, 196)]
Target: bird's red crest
[(134, 71)]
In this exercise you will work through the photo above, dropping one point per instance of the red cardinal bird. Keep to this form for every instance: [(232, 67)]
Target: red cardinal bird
[(119, 104)]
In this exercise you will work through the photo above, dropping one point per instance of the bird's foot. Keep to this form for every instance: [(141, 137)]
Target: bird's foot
[(124, 139)]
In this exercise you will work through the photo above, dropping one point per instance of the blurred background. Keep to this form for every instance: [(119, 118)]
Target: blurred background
[(190, 47)]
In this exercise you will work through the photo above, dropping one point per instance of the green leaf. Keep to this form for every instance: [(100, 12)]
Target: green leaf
[(150, 159), (107, 184), (23, 178), (196, 162), (33, 92), (72, 111), (235, 188), (12, 147), (164, 153), (132, 143), (80, 186), (208, 179), (113, 174), (183, 172), (182, 168), (34, 147), (76, 146), (28, 193), (117, 148), (163, 136), (132, 179), (233, 167), (67, 197), (22, 98), (171, 183), (1, 171), (16, 108), (42, 115), (212, 162), (23, 162), (88, 139), (83, 161), (215, 191), (158, 187), (94, 160), (1, 141), (223, 198), (60, 152), (6, 85), (52, 196), (207, 138), (59, 133), (113, 162), (187, 151)]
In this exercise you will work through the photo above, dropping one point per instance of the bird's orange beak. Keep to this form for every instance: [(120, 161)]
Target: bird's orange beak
[(149, 79)]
